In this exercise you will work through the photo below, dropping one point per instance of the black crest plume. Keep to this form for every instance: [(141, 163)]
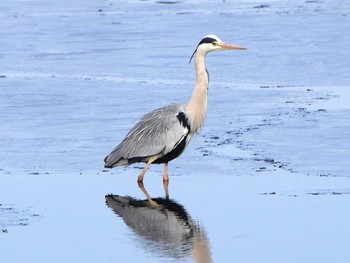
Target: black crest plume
[(204, 40)]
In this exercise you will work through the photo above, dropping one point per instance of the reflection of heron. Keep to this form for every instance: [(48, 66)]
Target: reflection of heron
[(163, 134), (164, 226)]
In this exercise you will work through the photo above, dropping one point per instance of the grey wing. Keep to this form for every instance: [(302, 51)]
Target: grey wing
[(157, 133)]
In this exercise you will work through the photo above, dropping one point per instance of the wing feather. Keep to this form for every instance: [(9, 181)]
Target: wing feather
[(157, 133)]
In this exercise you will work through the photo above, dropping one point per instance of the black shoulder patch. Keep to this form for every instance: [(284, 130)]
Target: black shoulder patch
[(206, 40), (181, 116)]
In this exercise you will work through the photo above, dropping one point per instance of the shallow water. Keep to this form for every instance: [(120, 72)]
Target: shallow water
[(267, 180)]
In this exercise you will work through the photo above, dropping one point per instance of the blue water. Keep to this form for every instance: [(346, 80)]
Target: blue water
[(266, 180)]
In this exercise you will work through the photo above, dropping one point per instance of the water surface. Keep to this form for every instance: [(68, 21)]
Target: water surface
[(267, 180)]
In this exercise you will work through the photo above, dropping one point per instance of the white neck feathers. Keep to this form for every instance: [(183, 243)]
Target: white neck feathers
[(196, 109)]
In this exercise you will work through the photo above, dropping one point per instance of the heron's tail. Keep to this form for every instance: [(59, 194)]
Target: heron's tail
[(115, 158), (110, 163)]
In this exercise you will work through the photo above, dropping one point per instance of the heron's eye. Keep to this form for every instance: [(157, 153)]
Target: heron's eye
[(214, 43)]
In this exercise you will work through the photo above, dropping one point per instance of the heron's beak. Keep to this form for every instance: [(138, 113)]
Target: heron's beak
[(226, 46)]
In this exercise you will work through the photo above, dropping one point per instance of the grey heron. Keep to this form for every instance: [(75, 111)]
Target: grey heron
[(163, 134)]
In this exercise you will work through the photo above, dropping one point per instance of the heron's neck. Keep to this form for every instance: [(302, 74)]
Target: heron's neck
[(197, 106)]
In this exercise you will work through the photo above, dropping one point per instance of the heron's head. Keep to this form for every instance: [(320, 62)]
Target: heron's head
[(213, 43)]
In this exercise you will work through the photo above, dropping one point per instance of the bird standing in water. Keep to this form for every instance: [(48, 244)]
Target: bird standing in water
[(163, 134)]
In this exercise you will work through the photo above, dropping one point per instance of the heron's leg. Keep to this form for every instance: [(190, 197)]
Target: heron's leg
[(166, 180), (165, 176), (142, 187), (166, 190), (142, 174)]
